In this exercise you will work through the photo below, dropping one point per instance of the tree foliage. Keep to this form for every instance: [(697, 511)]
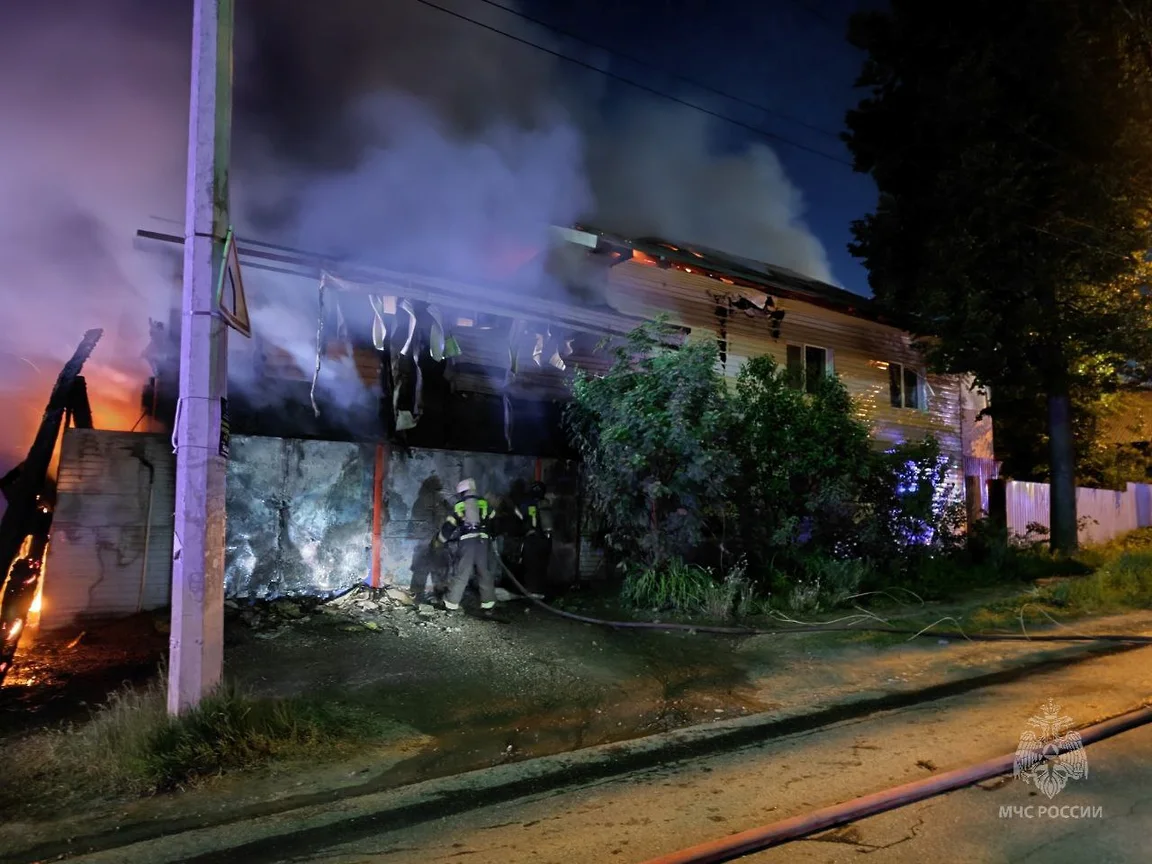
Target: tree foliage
[(653, 432), (1010, 145), (804, 460), (789, 483)]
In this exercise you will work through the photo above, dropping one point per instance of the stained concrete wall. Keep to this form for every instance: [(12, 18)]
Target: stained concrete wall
[(111, 548), (300, 513), (299, 518)]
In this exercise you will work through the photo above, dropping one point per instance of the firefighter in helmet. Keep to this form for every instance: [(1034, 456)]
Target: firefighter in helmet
[(536, 518), (468, 524)]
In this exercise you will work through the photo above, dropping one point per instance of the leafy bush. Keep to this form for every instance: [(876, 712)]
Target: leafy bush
[(654, 432), (679, 470), (804, 461), (911, 508)]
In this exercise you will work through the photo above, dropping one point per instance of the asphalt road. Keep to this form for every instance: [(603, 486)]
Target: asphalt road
[(654, 812), (1106, 816)]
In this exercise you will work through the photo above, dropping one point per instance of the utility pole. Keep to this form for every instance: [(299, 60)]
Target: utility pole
[(196, 649)]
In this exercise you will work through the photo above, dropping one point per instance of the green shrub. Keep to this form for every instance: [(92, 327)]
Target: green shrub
[(804, 459), (911, 509), (677, 469), (653, 432), (672, 585)]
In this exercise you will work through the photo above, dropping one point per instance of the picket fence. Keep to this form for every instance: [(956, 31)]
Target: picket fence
[(1103, 514)]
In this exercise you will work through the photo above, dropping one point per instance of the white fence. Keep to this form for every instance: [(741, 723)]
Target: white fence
[(1104, 514)]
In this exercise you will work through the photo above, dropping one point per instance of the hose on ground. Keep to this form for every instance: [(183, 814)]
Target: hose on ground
[(774, 834), (1135, 639)]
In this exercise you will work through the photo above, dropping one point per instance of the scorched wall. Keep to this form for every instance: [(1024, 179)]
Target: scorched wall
[(299, 518)]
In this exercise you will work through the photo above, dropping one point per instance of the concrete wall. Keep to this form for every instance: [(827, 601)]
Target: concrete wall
[(299, 518), (96, 563), (300, 513)]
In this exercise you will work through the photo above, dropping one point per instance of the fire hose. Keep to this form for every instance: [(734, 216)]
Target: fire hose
[(815, 628), (776, 833)]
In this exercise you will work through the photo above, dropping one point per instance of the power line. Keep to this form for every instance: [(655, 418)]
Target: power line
[(773, 136), (659, 93), (631, 58)]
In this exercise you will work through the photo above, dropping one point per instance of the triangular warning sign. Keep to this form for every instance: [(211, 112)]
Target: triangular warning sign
[(230, 299)]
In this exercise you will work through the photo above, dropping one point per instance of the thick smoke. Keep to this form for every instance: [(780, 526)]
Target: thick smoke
[(425, 143), (388, 132), (658, 173), (653, 169), (92, 140)]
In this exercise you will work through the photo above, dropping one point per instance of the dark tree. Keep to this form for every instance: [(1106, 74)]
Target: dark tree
[(1011, 143)]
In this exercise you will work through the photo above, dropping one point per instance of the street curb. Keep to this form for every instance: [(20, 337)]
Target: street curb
[(288, 827)]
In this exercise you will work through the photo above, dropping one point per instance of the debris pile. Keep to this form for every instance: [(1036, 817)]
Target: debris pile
[(392, 610)]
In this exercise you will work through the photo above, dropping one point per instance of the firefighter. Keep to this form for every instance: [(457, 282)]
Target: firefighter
[(468, 525), (536, 518)]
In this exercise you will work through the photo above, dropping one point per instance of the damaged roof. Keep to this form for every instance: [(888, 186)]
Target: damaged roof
[(761, 275)]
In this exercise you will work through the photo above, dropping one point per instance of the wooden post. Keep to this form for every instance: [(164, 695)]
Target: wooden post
[(22, 498)]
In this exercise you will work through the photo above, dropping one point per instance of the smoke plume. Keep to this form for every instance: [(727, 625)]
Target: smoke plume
[(658, 172), (391, 133), (93, 140)]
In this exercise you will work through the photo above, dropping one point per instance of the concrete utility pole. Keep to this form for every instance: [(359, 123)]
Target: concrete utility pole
[(196, 650)]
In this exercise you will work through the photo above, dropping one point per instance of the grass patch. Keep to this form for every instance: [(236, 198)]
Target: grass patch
[(673, 586), (131, 746), (1113, 578)]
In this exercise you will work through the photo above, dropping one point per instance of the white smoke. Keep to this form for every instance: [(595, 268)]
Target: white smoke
[(660, 173), (387, 132), (92, 140)]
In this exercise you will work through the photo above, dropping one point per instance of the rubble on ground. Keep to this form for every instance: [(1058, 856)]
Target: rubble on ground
[(391, 610)]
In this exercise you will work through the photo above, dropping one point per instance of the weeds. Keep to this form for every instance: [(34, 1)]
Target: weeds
[(676, 585), (1115, 577), (132, 746), (1123, 583), (734, 596), (825, 583)]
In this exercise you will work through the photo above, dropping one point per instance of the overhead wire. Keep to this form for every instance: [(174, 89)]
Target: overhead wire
[(623, 79), (765, 133), (632, 58)]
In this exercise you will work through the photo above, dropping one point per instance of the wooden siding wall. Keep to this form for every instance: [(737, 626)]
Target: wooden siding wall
[(95, 564), (860, 349)]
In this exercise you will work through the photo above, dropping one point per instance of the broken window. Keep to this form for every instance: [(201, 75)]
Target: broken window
[(905, 387), (807, 364)]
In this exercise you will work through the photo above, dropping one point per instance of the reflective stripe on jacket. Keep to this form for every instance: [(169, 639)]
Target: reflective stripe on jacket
[(469, 519)]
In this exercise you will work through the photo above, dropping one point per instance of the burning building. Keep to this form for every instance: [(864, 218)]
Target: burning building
[(345, 446)]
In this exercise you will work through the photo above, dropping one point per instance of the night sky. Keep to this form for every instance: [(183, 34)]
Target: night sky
[(788, 55)]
